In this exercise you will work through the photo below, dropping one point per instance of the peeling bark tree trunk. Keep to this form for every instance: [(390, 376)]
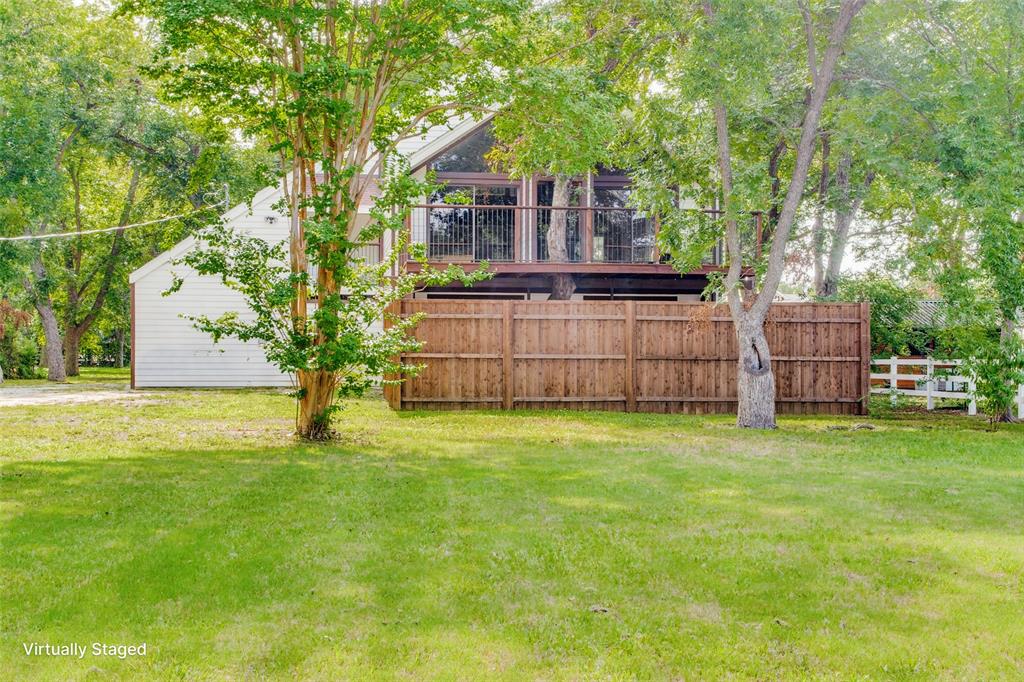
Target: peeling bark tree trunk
[(563, 284), (316, 398)]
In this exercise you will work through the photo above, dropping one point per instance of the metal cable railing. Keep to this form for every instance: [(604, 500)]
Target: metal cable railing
[(474, 232)]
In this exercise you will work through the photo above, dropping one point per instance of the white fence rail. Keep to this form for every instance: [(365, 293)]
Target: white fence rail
[(932, 379)]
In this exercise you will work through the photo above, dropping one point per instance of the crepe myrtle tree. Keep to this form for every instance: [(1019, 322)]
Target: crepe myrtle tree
[(730, 84), (341, 341), (335, 86)]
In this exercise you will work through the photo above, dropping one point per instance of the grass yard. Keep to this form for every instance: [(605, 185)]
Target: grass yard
[(507, 546), (87, 375)]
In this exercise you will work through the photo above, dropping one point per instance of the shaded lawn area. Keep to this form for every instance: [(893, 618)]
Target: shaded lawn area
[(87, 375), (507, 546)]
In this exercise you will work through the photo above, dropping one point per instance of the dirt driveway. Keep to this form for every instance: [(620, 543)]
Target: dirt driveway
[(64, 394)]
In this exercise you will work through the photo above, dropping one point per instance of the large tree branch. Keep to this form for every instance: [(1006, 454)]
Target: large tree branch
[(112, 257), (805, 152)]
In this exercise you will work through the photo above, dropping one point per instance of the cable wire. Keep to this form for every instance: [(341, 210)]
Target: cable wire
[(58, 235)]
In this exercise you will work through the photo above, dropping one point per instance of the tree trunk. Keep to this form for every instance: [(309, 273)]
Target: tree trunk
[(52, 354), (72, 341), (120, 349), (316, 400), (53, 345), (1006, 332), (846, 210), (563, 284), (829, 288), (818, 230), (756, 384)]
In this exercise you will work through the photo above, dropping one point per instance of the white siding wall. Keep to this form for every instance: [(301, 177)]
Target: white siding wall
[(169, 351)]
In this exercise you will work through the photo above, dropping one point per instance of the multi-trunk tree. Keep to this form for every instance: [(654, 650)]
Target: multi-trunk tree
[(335, 86), (732, 83)]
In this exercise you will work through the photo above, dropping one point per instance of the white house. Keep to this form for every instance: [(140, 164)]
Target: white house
[(167, 350), (612, 253)]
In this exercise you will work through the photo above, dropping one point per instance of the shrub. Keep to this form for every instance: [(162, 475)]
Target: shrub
[(19, 353), (997, 369), (892, 307)]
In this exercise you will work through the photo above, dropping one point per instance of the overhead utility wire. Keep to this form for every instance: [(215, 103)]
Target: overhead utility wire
[(58, 235)]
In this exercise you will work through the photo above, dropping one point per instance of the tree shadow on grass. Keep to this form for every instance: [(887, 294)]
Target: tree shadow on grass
[(344, 560)]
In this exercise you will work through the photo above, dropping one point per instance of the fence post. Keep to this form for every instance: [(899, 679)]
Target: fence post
[(972, 407), (1020, 401), (629, 336), (893, 380), (865, 356), (507, 359), (393, 392), (930, 383)]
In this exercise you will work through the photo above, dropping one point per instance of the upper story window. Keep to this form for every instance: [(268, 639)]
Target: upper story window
[(611, 197), (477, 195), (468, 155)]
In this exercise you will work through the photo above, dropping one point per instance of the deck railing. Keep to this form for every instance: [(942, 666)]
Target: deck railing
[(506, 234)]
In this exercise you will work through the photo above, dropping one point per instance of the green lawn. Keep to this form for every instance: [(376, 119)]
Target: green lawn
[(87, 375), (507, 546)]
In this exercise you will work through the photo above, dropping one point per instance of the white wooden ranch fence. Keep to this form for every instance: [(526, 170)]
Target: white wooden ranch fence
[(932, 379)]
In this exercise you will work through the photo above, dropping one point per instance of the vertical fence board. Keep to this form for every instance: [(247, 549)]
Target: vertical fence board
[(628, 355)]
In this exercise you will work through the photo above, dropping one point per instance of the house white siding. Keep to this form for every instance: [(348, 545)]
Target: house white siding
[(167, 350), (170, 351)]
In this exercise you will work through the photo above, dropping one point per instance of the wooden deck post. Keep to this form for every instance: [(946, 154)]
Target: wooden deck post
[(629, 335), (507, 357)]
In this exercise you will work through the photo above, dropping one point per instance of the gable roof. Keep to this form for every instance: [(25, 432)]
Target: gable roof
[(428, 148), (462, 129), (927, 314), (263, 197)]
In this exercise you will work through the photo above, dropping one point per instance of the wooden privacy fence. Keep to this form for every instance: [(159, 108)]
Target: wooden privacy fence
[(628, 355)]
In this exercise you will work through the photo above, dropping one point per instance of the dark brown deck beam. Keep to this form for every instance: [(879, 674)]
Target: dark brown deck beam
[(574, 268)]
